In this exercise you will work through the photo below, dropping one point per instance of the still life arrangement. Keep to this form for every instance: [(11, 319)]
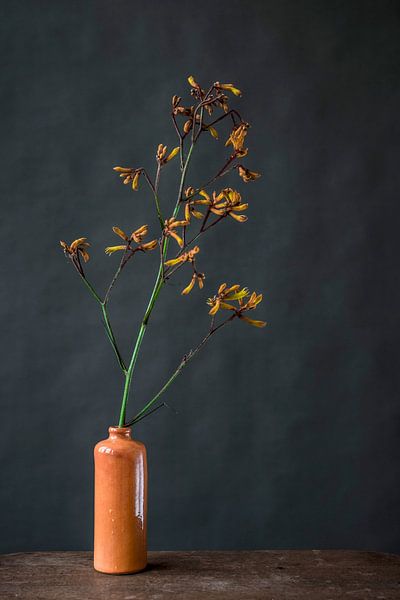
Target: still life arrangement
[(120, 544)]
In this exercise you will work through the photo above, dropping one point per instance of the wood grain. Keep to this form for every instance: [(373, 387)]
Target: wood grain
[(273, 575)]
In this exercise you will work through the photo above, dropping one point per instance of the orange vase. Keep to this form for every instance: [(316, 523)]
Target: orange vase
[(120, 504)]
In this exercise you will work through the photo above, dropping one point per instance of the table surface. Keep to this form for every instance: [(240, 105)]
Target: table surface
[(270, 575)]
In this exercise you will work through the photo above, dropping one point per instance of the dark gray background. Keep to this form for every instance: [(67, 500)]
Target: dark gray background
[(285, 437)]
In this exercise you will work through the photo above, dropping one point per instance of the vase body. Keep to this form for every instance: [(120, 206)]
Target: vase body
[(120, 504)]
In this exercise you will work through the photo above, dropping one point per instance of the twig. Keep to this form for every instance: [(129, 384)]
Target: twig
[(178, 370)]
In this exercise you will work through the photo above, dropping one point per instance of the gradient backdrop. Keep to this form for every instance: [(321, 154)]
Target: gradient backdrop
[(285, 437)]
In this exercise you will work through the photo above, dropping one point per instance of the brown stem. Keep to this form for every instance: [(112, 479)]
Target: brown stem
[(231, 112), (180, 367)]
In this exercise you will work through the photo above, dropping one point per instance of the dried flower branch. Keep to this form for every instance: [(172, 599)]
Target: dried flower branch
[(198, 207)]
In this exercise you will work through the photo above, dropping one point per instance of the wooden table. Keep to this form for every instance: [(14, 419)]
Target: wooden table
[(270, 575)]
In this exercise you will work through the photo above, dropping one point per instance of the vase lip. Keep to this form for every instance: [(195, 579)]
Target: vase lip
[(119, 431)]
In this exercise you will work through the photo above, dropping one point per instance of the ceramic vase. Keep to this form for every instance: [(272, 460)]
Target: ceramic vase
[(120, 504)]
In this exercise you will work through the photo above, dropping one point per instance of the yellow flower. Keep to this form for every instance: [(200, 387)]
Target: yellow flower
[(173, 153), (136, 236), (149, 245), (213, 131), (190, 210), (193, 82), (170, 225), (161, 154), (185, 257), (226, 294), (251, 304), (111, 249), (229, 202), (228, 86), (129, 175), (247, 175), (237, 137), (78, 246), (254, 322), (199, 277)]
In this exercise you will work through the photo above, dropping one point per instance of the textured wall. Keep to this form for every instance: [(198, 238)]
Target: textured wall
[(285, 437)]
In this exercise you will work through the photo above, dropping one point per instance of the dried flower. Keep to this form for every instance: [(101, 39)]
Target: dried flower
[(237, 137), (247, 175), (189, 191), (188, 126), (176, 101), (77, 246)]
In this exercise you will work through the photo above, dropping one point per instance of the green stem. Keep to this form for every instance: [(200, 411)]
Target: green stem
[(156, 198), (107, 324), (153, 298), (111, 337)]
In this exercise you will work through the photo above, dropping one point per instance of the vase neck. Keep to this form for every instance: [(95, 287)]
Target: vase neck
[(118, 433)]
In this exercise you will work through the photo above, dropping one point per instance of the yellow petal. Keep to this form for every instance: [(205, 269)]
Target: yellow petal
[(192, 81), (76, 243), (237, 295), (254, 322), (135, 181), (121, 233), (197, 214), (111, 249), (213, 132), (233, 288), (122, 169), (187, 211), (240, 207), (226, 306), (177, 238), (239, 218), (231, 88), (141, 231), (189, 287), (175, 261), (173, 153), (179, 224), (215, 308), (204, 194), (84, 254), (150, 245)]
